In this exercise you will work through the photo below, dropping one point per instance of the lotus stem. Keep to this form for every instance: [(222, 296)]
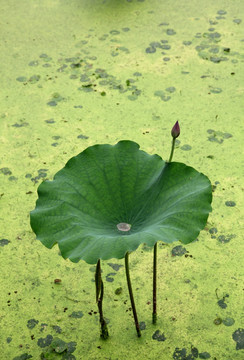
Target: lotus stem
[(131, 294), (175, 132), (99, 299), (154, 314)]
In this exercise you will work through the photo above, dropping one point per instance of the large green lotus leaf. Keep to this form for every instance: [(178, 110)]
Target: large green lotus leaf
[(110, 184)]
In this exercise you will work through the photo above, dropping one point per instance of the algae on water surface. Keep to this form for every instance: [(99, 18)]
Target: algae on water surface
[(77, 73)]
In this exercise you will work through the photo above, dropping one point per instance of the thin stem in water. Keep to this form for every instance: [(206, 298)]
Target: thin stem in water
[(131, 294), (154, 314), (99, 299)]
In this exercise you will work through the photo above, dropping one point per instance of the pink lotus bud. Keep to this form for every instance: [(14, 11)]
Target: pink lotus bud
[(175, 132)]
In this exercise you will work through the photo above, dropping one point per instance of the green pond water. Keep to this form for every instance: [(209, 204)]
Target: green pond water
[(83, 72)]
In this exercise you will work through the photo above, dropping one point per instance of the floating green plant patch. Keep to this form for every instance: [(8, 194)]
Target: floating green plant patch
[(109, 199)]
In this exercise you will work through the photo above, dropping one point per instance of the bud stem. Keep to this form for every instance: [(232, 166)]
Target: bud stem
[(172, 150)]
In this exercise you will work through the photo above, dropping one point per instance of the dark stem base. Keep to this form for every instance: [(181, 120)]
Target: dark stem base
[(104, 330), (154, 318)]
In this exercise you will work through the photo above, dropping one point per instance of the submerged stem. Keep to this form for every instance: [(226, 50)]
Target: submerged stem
[(99, 299), (154, 314), (131, 294), (172, 150)]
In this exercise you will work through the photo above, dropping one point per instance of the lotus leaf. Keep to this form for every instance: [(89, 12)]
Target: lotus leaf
[(109, 199)]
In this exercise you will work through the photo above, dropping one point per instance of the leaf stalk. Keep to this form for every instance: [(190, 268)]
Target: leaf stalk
[(154, 314), (99, 299), (131, 294)]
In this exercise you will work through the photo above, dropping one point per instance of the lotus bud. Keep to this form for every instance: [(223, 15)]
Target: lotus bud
[(175, 132)]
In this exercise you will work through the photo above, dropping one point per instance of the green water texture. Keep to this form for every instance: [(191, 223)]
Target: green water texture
[(83, 72)]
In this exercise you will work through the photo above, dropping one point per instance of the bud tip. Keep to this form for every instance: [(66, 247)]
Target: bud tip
[(175, 132)]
